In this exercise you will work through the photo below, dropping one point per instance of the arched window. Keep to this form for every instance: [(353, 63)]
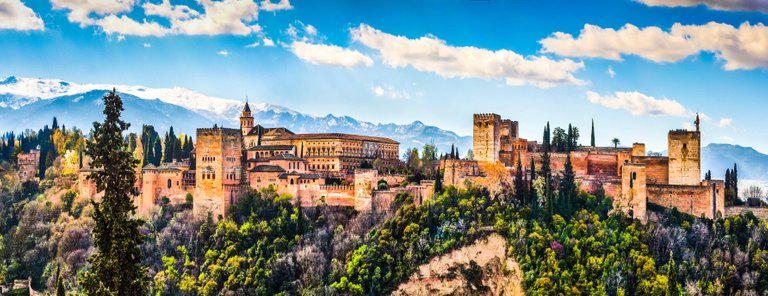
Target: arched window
[(169, 183)]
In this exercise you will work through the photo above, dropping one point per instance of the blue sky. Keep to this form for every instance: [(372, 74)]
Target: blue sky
[(639, 68)]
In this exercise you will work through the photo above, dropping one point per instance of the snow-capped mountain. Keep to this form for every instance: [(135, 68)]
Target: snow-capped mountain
[(32, 102)]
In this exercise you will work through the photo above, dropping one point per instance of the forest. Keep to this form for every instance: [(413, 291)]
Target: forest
[(565, 241)]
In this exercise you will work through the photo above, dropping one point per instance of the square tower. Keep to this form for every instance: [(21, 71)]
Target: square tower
[(219, 172), (684, 149), (486, 137), (633, 190)]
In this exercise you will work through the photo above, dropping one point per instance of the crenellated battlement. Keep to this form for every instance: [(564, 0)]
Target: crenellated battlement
[(485, 117), (217, 131)]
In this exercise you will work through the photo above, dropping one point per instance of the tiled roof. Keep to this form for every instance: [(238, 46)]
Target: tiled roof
[(267, 168), (301, 176), (286, 156), (270, 147)]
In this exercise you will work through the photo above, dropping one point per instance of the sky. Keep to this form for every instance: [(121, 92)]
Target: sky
[(638, 68)]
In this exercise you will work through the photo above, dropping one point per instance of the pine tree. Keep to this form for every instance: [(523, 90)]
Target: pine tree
[(116, 265), (592, 138), (55, 124)]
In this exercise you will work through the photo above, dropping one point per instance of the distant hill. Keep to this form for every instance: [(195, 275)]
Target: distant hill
[(32, 102), (81, 110), (719, 157)]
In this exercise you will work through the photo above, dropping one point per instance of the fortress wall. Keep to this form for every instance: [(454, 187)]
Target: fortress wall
[(761, 213), (695, 200), (657, 168), (602, 164)]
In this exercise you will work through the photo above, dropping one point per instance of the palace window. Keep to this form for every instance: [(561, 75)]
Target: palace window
[(169, 183)]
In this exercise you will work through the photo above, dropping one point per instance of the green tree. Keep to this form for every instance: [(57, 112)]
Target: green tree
[(616, 142), (116, 265), (592, 138)]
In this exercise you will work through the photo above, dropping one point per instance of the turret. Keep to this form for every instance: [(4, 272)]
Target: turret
[(246, 119)]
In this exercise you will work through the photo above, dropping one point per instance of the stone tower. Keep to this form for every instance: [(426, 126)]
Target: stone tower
[(246, 119), (633, 190), (486, 137), (684, 149), (219, 170)]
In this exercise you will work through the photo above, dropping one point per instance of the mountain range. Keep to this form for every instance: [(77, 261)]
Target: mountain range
[(33, 102)]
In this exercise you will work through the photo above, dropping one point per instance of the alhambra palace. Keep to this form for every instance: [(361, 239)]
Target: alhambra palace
[(227, 162)]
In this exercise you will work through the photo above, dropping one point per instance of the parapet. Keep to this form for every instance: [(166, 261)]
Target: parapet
[(485, 117), (216, 131)]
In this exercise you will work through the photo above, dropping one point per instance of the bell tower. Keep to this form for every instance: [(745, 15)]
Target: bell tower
[(246, 119)]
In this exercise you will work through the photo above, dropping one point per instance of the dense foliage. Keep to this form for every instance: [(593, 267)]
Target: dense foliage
[(115, 267)]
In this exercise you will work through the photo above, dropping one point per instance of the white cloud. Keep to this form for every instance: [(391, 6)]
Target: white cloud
[(311, 30), (124, 25), (80, 10), (610, 72), (390, 92), (430, 54), (724, 122), (233, 17), (745, 47), (267, 5), (222, 17), (14, 15), (147, 45), (166, 10), (329, 55), (728, 5), (223, 52), (637, 104), (378, 90), (266, 42)]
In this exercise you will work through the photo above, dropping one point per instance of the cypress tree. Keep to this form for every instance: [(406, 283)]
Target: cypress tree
[(567, 190), (546, 171), (592, 138), (735, 181), (519, 182), (116, 265), (60, 290), (533, 198), (158, 153), (55, 124)]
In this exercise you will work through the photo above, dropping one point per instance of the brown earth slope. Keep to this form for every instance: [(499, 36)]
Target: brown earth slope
[(482, 268)]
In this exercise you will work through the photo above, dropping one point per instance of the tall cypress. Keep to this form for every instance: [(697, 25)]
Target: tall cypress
[(519, 182), (735, 181), (592, 138), (116, 265), (546, 171), (533, 197)]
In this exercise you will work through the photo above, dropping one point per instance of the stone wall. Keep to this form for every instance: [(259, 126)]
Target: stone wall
[(684, 148), (633, 191), (761, 213), (656, 167), (486, 135), (706, 199), (219, 170), (28, 164)]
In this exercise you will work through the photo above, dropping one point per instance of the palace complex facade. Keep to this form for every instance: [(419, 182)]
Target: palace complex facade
[(227, 162), (628, 175)]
